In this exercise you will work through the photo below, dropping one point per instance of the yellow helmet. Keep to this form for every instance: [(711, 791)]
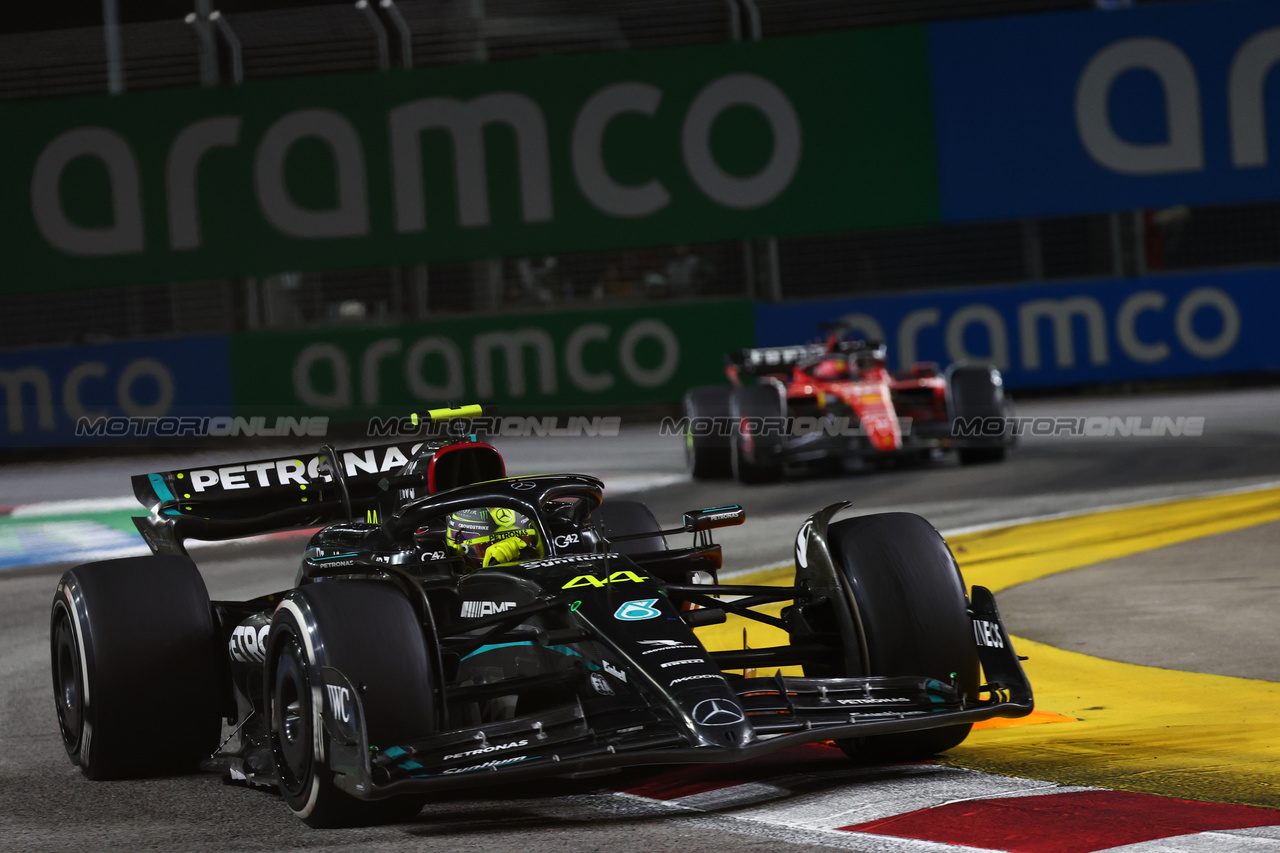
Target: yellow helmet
[(487, 536)]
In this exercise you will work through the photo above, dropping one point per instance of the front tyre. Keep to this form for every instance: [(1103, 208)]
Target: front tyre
[(915, 614), (134, 655), (370, 633)]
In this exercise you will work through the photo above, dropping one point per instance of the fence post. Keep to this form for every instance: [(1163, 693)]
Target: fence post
[(773, 289), (402, 29), (1032, 250), (379, 32), (233, 46), (111, 35), (1139, 244), (199, 21)]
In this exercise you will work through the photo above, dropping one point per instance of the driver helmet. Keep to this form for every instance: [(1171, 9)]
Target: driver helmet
[(488, 536), (872, 356), (831, 368)]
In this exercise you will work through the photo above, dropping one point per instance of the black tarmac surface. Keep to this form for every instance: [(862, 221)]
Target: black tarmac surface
[(1205, 605)]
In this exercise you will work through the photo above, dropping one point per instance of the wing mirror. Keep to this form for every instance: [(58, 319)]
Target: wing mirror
[(695, 521)]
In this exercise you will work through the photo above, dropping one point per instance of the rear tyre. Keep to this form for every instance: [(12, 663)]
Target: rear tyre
[(624, 518), (914, 610), (707, 453), (977, 391), (136, 679), (368, 631), (980, 455), (755, 452)]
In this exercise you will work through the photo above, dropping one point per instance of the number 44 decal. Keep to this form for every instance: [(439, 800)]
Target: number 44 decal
[(616, 577)]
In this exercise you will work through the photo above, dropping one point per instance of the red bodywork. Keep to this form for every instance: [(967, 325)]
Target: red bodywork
[(858, 384)]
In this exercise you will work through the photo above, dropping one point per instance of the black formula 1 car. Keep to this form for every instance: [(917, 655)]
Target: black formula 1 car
[(837, 401), (392, 669)]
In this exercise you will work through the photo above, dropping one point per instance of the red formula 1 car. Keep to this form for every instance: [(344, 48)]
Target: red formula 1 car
[(838, 401)]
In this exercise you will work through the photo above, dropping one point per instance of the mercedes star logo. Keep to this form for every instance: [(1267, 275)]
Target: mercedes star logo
[(523, 485), (717, 712)]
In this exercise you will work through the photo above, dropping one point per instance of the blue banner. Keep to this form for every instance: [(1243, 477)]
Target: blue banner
[(45, 392), (1063, 334), (1091, 111)]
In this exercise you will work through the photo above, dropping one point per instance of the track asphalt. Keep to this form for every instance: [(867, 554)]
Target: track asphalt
[(1131, 730), (1120, 755)]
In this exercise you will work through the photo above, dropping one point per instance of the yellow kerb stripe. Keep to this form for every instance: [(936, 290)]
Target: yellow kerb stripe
[(1135, 728)]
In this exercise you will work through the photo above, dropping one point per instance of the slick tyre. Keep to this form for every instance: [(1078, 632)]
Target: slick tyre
[(980, 455), (370, 633), (914, 610), (754, 451), (135, 662), (707, 453), (625, 518), (977, 391)]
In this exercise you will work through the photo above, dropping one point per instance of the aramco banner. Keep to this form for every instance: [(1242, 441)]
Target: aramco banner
[(993, 118), (1069, 333), (121, 391), (1080, 112), (566, 361), (558, 154)]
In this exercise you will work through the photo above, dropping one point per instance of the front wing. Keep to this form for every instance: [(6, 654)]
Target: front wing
[(783, 712)]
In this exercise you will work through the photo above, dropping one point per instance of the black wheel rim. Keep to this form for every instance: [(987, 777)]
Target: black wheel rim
[(68, 684), (291, 717)]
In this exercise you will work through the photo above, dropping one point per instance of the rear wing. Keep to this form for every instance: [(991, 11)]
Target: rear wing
[(762, 361), (268, 495)]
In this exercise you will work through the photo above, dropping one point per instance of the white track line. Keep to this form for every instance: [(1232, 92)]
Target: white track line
[(75, 507), (1263, 839)]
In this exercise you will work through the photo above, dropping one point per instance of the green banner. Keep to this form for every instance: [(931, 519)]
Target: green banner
[(558, 154), (571, 360)]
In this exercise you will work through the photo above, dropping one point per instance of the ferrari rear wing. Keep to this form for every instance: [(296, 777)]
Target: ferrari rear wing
[(762, 361), (268, 495)]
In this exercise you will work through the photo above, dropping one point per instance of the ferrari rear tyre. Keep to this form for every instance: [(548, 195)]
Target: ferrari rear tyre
[(914, 612), (136, 678), (706, 450), (977, 391), (980, 455), (757, 413), (624, 518), (370, 633)]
